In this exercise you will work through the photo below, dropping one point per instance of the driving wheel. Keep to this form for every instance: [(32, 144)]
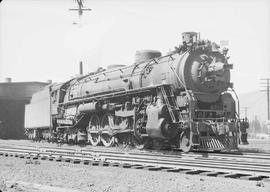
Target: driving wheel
[(94, 125)]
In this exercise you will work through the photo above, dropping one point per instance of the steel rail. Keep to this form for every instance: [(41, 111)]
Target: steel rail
[(176, 156), (201, 164), (203, 153), (231, 162), (208, 153), (156, 162)]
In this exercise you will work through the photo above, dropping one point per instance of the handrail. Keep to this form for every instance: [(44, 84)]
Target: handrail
[(111, 94), (238, 103), (209, 110)]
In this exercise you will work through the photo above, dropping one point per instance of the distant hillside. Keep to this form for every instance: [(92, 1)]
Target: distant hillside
[(256, 103)]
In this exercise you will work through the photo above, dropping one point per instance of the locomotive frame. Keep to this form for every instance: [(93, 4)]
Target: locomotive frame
[(179, 100)]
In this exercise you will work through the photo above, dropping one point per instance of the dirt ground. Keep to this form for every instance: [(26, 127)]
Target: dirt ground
[(260, 145), (44, 176), (24, 175)]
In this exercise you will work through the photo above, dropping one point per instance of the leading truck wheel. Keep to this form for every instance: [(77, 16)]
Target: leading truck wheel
[(185, 141), (106, 124)]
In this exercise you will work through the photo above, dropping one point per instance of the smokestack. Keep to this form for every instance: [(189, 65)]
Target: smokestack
[(81, 68), (8, 80)]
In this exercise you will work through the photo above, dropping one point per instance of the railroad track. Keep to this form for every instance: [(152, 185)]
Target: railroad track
[(242, 166), (175, 154)]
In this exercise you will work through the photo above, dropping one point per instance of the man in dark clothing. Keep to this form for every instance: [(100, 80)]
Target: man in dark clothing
[(244, 125)]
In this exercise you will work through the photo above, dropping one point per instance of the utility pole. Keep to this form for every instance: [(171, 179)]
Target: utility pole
[(246, 108), (265, 85), (81, 8)]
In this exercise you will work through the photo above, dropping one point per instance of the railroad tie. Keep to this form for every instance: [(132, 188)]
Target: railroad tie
[(95, 163), (35, 157), (86, 162), (125, 165), (43, 157), (76, 161), (137, 167), (254, 178), (150, 168), (230, 175), (67, 160), (112, 164), (59, 159), (104, 164), (212, 173), (174, 170), (190, 171)]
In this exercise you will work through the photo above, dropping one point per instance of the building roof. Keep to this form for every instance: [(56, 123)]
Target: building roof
[(19, 90)]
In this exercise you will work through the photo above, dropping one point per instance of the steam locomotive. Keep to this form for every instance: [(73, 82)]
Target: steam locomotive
[(182, 100)]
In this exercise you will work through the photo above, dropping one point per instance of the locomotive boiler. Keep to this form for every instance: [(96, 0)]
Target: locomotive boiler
[(182, 99)]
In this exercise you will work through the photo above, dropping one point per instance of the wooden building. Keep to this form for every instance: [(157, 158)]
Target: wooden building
[(13, 97)]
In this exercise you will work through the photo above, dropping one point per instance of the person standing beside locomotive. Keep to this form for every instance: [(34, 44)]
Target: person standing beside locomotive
[(244, 125)]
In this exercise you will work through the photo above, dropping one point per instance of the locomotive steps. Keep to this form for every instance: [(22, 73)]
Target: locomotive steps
[(247, 166)]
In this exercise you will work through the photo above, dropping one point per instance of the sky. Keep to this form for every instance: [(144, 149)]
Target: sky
[(38, 40)]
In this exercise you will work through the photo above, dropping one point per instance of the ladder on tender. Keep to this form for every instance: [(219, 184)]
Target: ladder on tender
[(170, 102)]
